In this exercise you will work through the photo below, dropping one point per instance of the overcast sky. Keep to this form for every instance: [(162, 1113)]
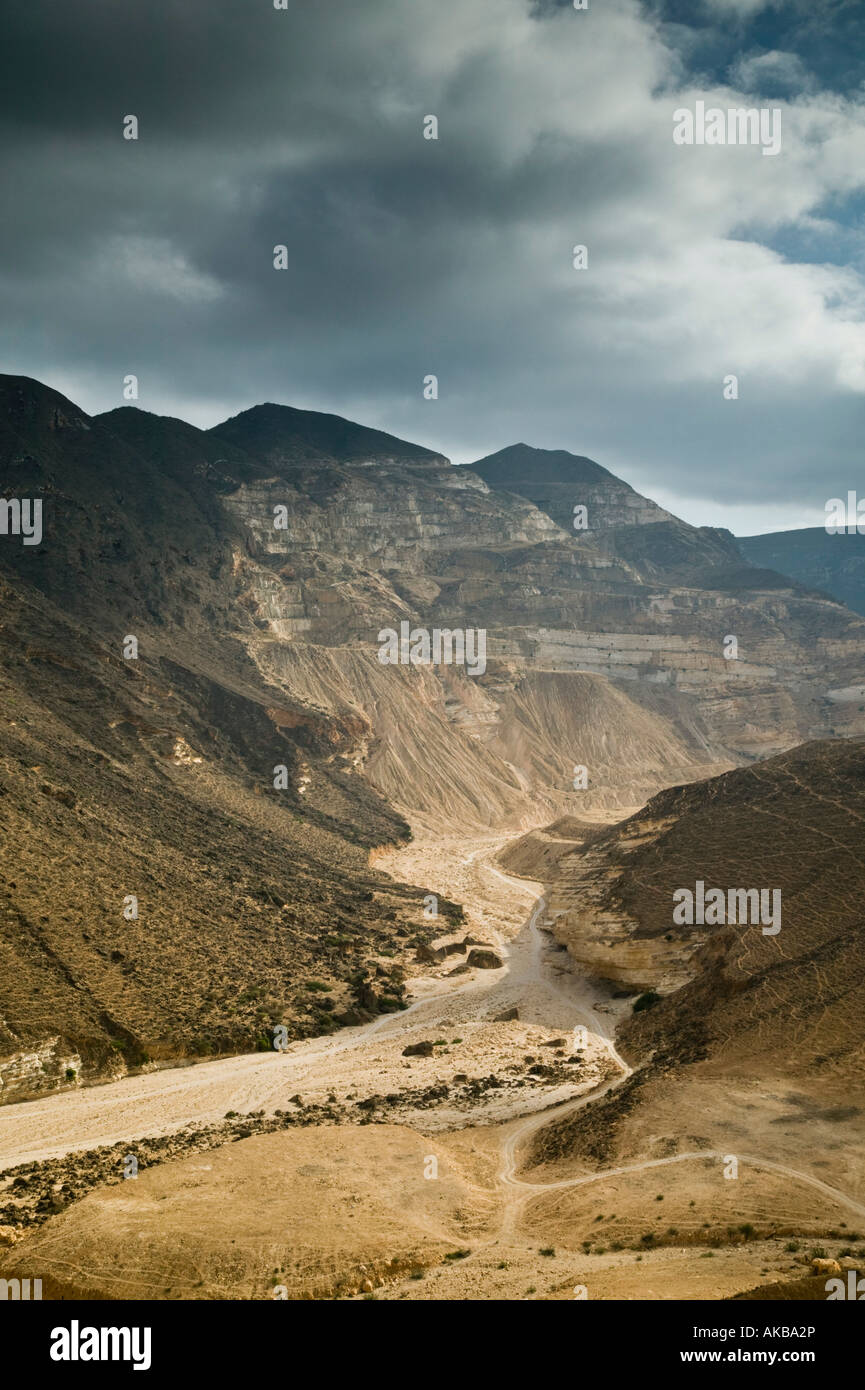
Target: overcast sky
[(408, 256)]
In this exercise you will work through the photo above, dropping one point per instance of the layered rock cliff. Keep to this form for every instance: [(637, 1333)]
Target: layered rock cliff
[(236, 772), (790, 989)]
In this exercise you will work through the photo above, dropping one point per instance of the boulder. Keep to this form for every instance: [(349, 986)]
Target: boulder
[(421, 1049), (484, 960), (428, 955), (351, 1018)]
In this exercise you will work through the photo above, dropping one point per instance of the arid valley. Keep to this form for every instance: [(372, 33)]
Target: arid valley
[(331, 977)]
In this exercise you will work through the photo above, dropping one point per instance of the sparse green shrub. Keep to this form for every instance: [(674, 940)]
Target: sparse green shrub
[(645, 1001)]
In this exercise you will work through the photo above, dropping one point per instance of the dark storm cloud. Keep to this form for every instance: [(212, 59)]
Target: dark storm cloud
[(405, 256)]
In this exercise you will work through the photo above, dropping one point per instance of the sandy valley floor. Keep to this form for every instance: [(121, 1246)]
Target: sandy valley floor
[(432, 1207)]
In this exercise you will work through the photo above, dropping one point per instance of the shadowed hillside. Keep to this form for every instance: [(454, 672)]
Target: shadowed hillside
[(834, 563), (754, 1036), (153, 775)]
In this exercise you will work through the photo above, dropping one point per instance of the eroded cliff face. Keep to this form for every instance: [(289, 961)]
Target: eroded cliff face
[(791, 995), (38, 1070), (591, 918), (558, 482), (643, 603), (604, 680), (381, 515)]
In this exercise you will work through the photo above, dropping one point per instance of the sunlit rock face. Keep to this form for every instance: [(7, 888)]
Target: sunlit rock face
[(335, 549), (256, 566), (779, 825)]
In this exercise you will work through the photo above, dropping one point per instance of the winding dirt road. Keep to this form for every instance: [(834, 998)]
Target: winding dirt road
[(360, 1060), (534, 978)]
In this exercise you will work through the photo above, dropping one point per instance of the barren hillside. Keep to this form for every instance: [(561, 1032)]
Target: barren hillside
[(234, 773)]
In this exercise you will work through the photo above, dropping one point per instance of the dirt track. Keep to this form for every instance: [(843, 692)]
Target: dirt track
[(536, 978), (552, 1000)]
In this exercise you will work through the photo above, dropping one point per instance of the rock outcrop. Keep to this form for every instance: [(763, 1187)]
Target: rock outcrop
[(230, 779)]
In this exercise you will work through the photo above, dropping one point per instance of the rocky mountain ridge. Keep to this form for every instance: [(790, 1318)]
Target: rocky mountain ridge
[(831, 562), (255, 566)]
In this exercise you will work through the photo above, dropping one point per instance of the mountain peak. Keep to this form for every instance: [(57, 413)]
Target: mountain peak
[(32, 413), (283, 434), (551, 465), (557, 481)]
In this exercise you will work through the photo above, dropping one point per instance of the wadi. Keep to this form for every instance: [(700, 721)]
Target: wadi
[(420, 1016)]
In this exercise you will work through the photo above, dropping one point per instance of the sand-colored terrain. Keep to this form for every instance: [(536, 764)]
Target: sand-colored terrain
[(442, 1205), (536, 977)]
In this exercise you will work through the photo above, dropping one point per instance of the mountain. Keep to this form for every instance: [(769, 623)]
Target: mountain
[(286, 438), (256, 565), (556, 481), (754, 1035), (813, 557), (153, 778)]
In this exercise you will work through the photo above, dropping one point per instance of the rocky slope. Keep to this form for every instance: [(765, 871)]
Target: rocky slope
[(813, 557), (743, 1042), (647, 607), (793, 824), (153, 779), (557, 482), (255, 565)]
